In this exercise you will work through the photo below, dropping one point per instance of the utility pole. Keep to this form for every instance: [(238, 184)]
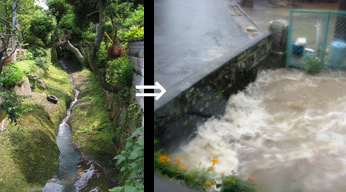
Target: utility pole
[(14, 37)]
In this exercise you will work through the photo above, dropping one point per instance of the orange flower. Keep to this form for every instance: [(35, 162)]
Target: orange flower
[(211, 168), (164, 159), (178, 159), (251, 178), (182, 168), (222, 173), (159, 154), (230, 180), (214, 160), (178, 172), (208, 183), (176, 164), (190, 176)]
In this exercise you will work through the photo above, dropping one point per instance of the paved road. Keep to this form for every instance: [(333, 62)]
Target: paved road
[(190, 34)]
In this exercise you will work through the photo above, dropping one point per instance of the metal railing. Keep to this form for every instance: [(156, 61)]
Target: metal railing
[(316, 35)]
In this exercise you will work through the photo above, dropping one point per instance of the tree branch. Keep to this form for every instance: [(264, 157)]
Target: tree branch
[(75, 50), (92, 13)]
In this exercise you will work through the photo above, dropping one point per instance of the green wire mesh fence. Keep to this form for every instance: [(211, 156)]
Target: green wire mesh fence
[(316, 36)]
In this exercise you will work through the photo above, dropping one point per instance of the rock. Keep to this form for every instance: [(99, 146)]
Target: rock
[(41, 84), (91, 177), (53, 185), (24, 88)]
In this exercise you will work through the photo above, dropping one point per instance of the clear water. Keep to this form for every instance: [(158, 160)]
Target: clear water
[(287, 129), (69, 156)]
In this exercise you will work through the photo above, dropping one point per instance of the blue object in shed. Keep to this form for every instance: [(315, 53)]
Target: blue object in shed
[(297, 49), (337, 54)]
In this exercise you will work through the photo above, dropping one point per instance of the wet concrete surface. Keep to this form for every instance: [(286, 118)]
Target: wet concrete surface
[(164, 185), (188, 35)]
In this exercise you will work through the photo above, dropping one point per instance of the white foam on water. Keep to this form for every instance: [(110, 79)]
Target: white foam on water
[(287, 129)]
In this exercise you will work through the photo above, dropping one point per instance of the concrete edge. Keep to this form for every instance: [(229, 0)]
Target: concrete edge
[(186, 83)]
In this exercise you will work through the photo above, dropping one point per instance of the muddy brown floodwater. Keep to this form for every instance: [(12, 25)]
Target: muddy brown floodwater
[(287, 129)]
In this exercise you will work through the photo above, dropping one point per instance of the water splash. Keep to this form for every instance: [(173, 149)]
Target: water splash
[(287, 129)]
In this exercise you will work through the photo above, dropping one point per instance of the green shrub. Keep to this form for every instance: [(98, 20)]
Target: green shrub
[(120, 71), (41, 62), (12, 104), (233, 183), (36, 51), (313, 65), (131, 160), (40, 27), (11, 75)]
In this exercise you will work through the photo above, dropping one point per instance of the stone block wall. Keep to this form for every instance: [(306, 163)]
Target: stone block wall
[(136, 54)]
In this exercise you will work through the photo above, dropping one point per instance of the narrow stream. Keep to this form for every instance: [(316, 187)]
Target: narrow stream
[(287, 129), (75, 174), (69, 157)]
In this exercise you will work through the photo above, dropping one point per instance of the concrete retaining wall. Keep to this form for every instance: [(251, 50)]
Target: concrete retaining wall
[(176, 120)]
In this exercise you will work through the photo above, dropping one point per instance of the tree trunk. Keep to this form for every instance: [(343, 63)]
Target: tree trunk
[(14, 38), (98, 70)]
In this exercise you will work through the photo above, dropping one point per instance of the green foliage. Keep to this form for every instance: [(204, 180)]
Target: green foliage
[(200, 179), (82, 11), (131, 161), (132, 32), (67, 26), (11, 103), (313, 65), (118, 12), (233, 183), (120, 70), (41, 62), (41, 27), (89, 36), (102, 55), (11, 75), (58, 8), (136, 17), (35, 51), (39, 55)]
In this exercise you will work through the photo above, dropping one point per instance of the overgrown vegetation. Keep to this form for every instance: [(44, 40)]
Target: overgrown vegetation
[(12, 105), (107, 114), (131, 161), (201, 179), (120, 71), (28, 150), (313, 65), (10, 76)]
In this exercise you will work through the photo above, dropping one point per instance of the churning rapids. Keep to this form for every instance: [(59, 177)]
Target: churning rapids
[(287, 129)]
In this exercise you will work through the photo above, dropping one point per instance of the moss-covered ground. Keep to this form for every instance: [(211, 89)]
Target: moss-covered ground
[(101, 121), (92, 129), (28, 150)]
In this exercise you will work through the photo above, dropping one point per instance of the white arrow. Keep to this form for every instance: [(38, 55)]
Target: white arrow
[(156, 95)]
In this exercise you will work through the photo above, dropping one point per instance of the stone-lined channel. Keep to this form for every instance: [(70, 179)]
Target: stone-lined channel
[(69, 156)]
